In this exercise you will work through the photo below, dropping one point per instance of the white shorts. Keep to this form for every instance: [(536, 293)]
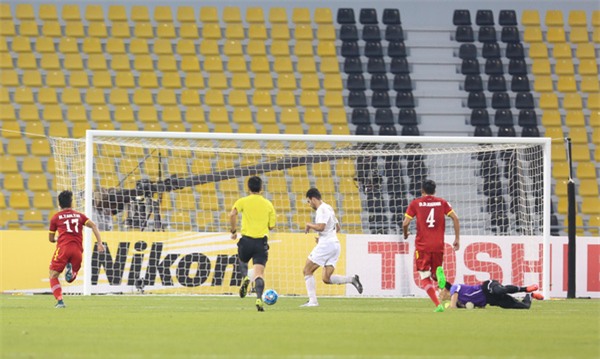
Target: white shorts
[(325, 254)]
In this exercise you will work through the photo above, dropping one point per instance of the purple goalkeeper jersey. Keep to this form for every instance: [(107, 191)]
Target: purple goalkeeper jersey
[(469, 293)]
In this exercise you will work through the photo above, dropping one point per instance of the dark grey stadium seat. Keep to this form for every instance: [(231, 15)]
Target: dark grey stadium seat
[(396, 49), (364, 130), (470, 67), (348, 33), (360, 116), (494, 67), (373, 49), (410, 130), (346, 16), (399, 65), (480, 117), (464, 34), (371, 33), (379, 82), (388, 130), (490, 50), (461, 17), (510, 34), (515, 50), (527, 118), (357, 99), (503, 118), (473, 83), (500, 100), (484, 17), (487, 34), (519, 83), (356, 82), (350, 49), (483, 131), (384, 116), (407, 116), (530, 132), (507, 18), (353, 65), (476, 100), (517, 67), (405, 99), (376, 65), (524, 100), (496, 83), (467, 51), (391, 17), (368, 16), (394, 33), (508, 131), (380, 99), (402, 82)]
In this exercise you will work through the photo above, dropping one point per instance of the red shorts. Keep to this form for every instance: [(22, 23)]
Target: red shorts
[(428, 261), (66, 254)]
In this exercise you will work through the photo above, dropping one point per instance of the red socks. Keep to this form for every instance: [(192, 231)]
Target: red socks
[(428, 286), (56, 288)]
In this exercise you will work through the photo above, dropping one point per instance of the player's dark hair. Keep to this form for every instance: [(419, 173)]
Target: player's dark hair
[(429, 186), (313, 193), (254, 184), (448, 285), (65, 199)]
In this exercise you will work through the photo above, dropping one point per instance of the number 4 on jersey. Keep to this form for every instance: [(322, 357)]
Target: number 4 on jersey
[(431, 218)]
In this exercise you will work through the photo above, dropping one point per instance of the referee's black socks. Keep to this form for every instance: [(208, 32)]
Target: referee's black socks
[(259, 286)]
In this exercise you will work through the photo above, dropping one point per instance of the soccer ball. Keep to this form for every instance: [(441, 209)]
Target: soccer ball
[(469, 305), (270, 297)]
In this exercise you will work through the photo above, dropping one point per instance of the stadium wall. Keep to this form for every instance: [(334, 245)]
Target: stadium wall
[(203, 263)]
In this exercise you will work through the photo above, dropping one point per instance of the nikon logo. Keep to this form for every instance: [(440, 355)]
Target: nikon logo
[(193, 269)]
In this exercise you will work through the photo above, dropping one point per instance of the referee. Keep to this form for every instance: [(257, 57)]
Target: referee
[(258, 217)]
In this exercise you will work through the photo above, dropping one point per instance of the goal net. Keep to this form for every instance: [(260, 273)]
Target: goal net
[(162, 202)]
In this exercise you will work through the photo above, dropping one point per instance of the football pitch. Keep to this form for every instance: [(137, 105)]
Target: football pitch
[(230, 327)]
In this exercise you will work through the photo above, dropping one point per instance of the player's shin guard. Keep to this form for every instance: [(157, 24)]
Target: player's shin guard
[(260, 287), (428, 286), (56, 288)]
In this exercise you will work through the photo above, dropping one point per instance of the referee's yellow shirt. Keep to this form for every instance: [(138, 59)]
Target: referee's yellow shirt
[(258, 214)]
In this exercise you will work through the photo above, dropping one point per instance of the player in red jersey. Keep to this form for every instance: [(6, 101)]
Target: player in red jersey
[(429, 243), (69, 249)]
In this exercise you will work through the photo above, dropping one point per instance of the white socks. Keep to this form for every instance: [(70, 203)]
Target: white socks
[(311, 288), (340, 279), (251, 274)]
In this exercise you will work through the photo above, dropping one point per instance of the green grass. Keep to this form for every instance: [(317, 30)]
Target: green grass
[(227, 327)]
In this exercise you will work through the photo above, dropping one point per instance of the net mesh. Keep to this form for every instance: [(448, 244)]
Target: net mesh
[(179, 186)]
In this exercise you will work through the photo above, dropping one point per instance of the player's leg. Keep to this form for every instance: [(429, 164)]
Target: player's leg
[(57, 265), (74, 264), (244, 255), (329, 268), (311, 286), (259, 258), (509, 302), (423, 261)]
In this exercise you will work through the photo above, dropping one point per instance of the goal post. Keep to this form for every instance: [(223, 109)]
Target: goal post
[(162, 201)]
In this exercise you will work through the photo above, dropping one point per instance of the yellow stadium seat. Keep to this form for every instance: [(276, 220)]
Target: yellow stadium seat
[(596, 34), (11, 130), (256, 48), (171, 114), (590, 205), (185, 14), (586, 170), (59, 130), (23, 95), (7, 28), (24, 12), (94, 13), (165, 31), (148, 80), (73, 62), (289, 115), (303, 48), (313, 116), (333, 99), (579, 35), (265, 115), (8, 164), (257, 32), (590, 84), (194, 81), (287, 82), (143, 97), (124, 80), (37, 183), (5, 11), (238, 98), (32, 164), (217, 81), (556, 35), (261, 98), (303, 32), (190, 98), (301, 16), (280, 32), (71, 96), (117, 13), (285, 99), (48, 12), (28, 28), (147, 114), (9, 78), (211, 32), (255, 15), (581, 152), (243, 115), (310, 82), (191, 65), (50, 62), (543, 84), (19, 44), (323, 16), (209, 14), (123, 114), (234, 32), (263, 81), (163, 14), (575, 119), (218, 115), (76, 114), (260, 64), (114, 46), (564, 67), (283, 65), (78, 79), (166, 63), (13, 182), (19, 200), (139, 47), (36, 128), (4, 96), (189, 31), (306, 65), (121, 30), (237, 64), (68, 45), (102, 79), (309, 99), (140, 13), (588, 187), (326, 49), (143, 30), (232, 48), (280, 48), (277, 15), (163, 47), (214, 98), (29, 113), (560, 171), (577, 18), (209, 48), (532, 34), (554, 18), (195, 116), (538, 51), (562, 51), (326, 32), (186, 47), (530, 18), (593, 102), (578, 135), (337, 116), (232, 14), (558, 152), (43, 200), (588, 67), (74, 29), (166, 97), (566, 84), (572, 101), (71, 13), (41, 147), (25, 61), (34, 79), (100, 114)]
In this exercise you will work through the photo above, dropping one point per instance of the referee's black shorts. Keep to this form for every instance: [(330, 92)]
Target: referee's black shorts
[(256, 249)]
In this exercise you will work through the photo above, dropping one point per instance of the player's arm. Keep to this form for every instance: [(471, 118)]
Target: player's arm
[(233, 216), (456, 222), (52, 237), (405, 224), (52, 231), (90, 224), (317, 227), (338, 228)]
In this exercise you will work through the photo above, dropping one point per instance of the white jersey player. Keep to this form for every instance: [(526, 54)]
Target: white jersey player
[(327, 251)]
